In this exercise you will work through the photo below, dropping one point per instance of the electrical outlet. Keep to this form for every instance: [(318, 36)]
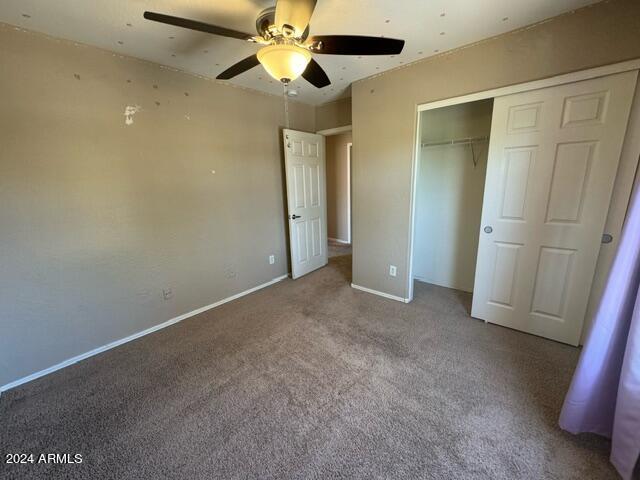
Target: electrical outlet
[(272, 259), (167, 293), (392, 270)]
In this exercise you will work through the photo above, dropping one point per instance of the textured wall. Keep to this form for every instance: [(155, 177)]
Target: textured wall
[(384, 117), (333, 114), (98, 216), (338, 186)]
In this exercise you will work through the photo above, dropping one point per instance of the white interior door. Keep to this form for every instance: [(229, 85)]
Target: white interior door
[(306, 200), (553, 158)]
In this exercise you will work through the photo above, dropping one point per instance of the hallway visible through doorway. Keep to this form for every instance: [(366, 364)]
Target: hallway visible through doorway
[(338, 163)]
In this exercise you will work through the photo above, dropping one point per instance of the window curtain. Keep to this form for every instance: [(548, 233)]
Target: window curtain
[(604, 397)]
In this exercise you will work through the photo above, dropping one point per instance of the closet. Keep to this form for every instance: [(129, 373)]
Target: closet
[(511, 198), (452, 165)]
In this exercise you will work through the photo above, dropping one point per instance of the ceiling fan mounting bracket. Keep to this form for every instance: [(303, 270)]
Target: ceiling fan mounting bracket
[(316, 46), (288, 31)]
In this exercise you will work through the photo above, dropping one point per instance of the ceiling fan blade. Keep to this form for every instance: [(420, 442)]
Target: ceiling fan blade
[(195, 25), (354, 45), (240, 67), (294, 13), (315, 75)]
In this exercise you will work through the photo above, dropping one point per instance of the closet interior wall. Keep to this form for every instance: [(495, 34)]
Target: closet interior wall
[(450, 185)]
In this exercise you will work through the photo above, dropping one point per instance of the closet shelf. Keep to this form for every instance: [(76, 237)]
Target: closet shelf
[(461, 141), (457, 141)]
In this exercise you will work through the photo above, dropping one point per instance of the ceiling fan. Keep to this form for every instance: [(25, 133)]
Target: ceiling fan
[(283, 31)]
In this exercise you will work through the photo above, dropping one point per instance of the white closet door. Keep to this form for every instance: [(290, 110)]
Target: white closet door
[(553, 158)]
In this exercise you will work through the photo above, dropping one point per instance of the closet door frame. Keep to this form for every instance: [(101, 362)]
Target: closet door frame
[(624, 179)]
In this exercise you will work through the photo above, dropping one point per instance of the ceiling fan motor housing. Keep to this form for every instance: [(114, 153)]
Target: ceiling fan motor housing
[(266, 26), (265, 20)]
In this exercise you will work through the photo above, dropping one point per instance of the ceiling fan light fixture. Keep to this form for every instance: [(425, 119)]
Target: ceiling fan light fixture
[(284, 62)]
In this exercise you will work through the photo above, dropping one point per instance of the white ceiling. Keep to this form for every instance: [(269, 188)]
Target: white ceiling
[(429, 27)]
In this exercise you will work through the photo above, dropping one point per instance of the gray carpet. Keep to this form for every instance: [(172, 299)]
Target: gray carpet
[(311, 379)]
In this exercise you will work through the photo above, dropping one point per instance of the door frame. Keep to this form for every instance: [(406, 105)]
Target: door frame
[(336, 131), (349, 147), (626, 169)]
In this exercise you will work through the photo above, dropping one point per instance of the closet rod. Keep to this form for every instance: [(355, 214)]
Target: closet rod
[(459, 141)]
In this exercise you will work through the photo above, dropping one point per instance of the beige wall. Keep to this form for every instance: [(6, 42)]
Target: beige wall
[(97, 217), (384, 117), (333, 114), (338, 186)]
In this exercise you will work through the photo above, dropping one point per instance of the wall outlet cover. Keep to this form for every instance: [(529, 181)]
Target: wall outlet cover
[(392, 270), (272, 259)]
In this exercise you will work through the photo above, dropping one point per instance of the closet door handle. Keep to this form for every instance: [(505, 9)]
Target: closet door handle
[(488, 229)]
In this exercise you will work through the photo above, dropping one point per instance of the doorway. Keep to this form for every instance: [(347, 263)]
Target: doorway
[(450, 182), (318, 184), (339, 145)]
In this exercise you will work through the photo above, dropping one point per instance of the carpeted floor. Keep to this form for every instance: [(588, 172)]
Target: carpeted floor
[(338, 249), (311, 379)]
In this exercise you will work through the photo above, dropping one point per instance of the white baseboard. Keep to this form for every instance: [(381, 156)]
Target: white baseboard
[(337, 240), (441, 284), (380, 294), (116, 343)]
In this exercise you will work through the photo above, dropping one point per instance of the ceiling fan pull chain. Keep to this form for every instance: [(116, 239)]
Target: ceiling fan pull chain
[(286, 105)]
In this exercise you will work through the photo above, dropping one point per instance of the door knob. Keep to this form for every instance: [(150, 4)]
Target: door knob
[(294, 216), (488, 229)]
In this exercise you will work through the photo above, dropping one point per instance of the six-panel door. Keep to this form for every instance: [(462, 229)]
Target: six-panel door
[(306, 200), (553, 158)]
